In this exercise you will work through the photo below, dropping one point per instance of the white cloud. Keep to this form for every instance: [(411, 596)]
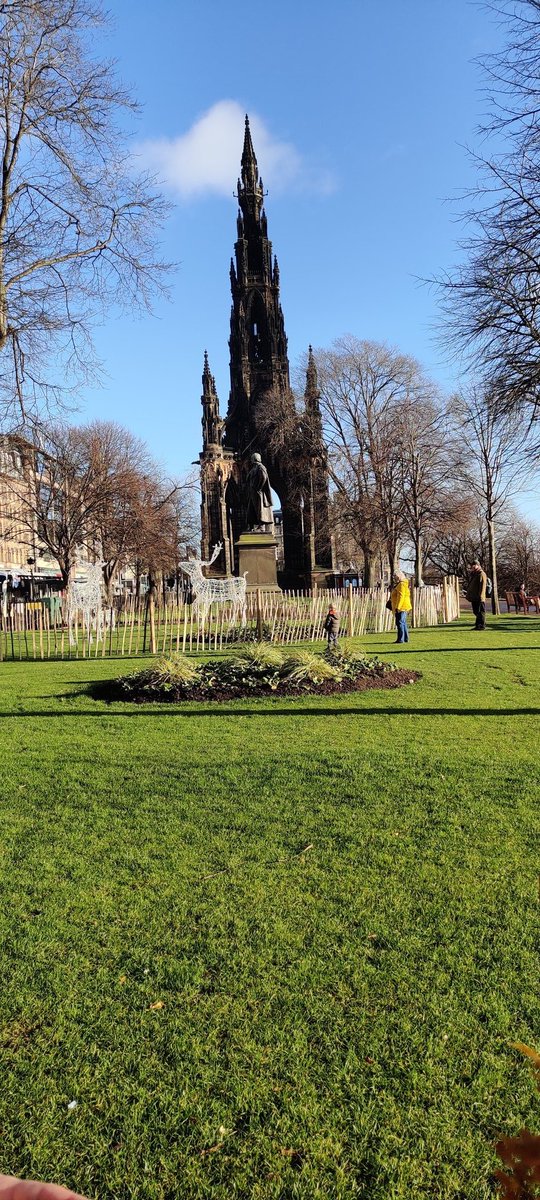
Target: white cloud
[(206, 159)]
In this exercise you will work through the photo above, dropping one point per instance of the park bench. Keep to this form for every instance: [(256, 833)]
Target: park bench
[(521, 602)]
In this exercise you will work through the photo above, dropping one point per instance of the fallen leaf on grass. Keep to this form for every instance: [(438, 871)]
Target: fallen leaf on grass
[(527, 1051), (522, 1155), (123, 979), (211, 1149), (157, 1004)]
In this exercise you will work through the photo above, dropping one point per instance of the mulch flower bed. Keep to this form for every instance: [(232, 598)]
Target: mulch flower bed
[(112, 690)]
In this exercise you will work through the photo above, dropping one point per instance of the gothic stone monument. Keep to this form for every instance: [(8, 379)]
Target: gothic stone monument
[(259, 370)]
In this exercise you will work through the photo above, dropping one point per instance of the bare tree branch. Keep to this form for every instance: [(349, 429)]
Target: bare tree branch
[(494, 464), (491, 302), (78, 228)]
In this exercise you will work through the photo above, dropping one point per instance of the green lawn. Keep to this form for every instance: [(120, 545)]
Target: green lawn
[(333, 1023)]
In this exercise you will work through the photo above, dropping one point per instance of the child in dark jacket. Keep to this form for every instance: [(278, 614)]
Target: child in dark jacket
[(331, 626)]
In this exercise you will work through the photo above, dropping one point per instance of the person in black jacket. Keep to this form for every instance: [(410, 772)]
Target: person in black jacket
[(476, 593)]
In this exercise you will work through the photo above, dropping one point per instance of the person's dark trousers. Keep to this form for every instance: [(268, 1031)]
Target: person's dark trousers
[(479, 610), (401, 626)]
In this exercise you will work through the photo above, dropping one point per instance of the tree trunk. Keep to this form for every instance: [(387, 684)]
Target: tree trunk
[(67, 570), (367, 573), (108, 579), (392, 552), (418, 561), (152, 584), (495, 607)]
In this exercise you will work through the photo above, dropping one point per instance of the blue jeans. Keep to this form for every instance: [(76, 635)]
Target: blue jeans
[(401, 626)]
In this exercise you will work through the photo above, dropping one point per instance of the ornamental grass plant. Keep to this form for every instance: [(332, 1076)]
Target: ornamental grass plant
[(169, 675), (260, 655), (303, 668)]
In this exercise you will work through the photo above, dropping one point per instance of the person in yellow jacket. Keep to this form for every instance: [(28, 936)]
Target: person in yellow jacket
[(401, 605)]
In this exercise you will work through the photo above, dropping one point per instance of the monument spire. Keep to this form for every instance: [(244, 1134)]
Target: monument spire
[(312, 396), (212, 423), (250, 188), (249, 162), (312, 381)]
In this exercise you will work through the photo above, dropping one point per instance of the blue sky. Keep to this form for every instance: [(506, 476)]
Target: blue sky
[(361, 111)]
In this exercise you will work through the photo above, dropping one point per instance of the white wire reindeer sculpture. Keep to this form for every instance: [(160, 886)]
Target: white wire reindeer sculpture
[(86, 596), (207, 591)]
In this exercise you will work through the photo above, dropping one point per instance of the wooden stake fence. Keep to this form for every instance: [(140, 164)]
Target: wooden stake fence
[(36, 631)]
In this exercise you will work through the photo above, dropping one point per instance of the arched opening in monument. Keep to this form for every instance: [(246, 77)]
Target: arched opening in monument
[(255, 256), (278, 530), (257, 322), (231, 519)]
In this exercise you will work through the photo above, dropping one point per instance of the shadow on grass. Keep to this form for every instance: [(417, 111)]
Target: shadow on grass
[(218, 710), (450, 649)]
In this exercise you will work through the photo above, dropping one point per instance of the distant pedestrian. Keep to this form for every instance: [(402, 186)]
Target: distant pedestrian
[(523, 598), (400, 600), (476, 593), (331, 627)]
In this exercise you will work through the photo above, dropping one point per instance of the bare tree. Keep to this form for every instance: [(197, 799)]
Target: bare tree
[(453, 550), (491, 301), (165, 527), (61, 495), (77, 226), (93, 488), (434, 505), (519, 555), (138, 495), (366, 390), (493, 464), (355, 516)]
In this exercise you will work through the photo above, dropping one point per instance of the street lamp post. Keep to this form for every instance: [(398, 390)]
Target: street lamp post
[(31, 562)]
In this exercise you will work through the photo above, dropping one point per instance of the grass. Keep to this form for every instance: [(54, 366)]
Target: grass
[(331, 1022)]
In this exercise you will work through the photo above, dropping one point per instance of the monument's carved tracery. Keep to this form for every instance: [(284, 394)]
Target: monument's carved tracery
[(259, 368)]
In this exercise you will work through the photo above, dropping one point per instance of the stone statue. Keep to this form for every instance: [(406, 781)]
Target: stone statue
[(259, 496)]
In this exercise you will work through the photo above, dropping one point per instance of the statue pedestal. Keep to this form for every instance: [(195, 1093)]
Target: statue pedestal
[(257, 556)]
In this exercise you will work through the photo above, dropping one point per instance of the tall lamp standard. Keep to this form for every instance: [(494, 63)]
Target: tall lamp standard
[(31, 562)]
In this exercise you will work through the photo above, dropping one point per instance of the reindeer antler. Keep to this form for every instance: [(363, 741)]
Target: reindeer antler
[(216, 551)]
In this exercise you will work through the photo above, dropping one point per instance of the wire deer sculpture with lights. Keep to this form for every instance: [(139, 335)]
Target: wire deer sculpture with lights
[(208, 591), (86, 597)]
